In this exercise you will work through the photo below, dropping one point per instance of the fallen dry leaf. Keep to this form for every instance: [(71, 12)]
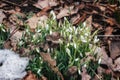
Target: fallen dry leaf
[(2, 16), (117, 65), (42, 4), (45, 3), (47, 58), (43, 78), (66, 12), (30, 76), (108, 30), (88, 22), (114, 48), (84, 74), (52, 63), (81, 19), (72, 70), (15, 39), (34, 21), (74, 18)]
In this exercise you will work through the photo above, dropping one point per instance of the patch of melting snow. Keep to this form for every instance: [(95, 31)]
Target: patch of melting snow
[(12, 65)]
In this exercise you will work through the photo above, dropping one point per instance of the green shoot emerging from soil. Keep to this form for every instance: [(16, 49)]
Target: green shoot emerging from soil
[(3, 35)]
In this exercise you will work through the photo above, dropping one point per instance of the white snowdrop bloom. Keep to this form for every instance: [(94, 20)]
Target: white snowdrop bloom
[(81, 54), (84, 24), (74, 28), (39, 30), (83, 39), (67, 30), (37, 49), (85, 65), (13, 66), (75, 46), (26, 30), (76, 59), (71, 44), (70, 37), (99, 61), (79, 72), (48, 50), (53, 14), (39, 70), (68, 44), (68, 51), (47, 27), (51, 32), (76, 31), (70, 28), (86, 34), (96, 39)]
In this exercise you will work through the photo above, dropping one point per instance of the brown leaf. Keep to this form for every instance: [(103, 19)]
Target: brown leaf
[(53, 40), (43, 78), (15, 39), (52, 63), (74, 19), (16, 17), (117, 65), (42, 4), (114, 48), (2, 4), (81, 6), (72, 70), (88, 22), (46, 57), (2, 16), (108, 30), (30, 76), (84, 74), (66, 12), (110, 21), (96, 25), (81, 19), (102, 8), (45, 3), (7, 44), (34, 21)]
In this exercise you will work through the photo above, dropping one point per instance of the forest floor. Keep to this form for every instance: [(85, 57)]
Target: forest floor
[(102, 17)]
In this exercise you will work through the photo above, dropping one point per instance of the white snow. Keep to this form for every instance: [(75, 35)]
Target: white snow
[(13, 66)]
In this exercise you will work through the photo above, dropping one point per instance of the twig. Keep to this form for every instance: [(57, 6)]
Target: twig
[(11, 3)]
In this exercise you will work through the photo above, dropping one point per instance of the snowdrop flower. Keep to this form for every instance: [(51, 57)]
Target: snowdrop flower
[(70, 37), (99, 61), (47, 27), (83, 39), (76, 31), (48, 50), (70, 29), (85, 65), (76, 59), (86, 34), (96, 39), (39, 30), (53, 14), (51, 32), (75, 46), (79, 71), (84, 24), (81, 54), (68, 51)]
